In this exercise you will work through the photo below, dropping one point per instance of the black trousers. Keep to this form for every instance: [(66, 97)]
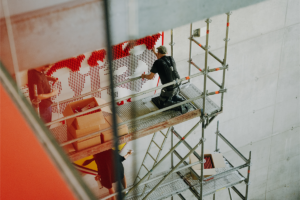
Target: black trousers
[(169, 97)]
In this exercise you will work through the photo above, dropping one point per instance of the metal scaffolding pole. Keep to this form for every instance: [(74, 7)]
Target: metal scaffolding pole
[(229, 193), (225, 56), (186, 144), (204, 114), (217, 132), (213, 80), (190, 51), (200, 142), (232, 147), (172, 43), (238, 192), (248, 177), (167, 154), (204, 48)]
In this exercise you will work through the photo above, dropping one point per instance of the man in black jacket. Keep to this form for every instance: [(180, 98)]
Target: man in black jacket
[(165, 66)]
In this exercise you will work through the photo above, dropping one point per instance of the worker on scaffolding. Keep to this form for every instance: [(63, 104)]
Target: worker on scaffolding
[(165, 66), (37, 77)]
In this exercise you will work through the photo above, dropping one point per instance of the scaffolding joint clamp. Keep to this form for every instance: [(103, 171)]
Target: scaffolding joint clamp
[(208, 20), (202, 161), (207, 47), (229, 13), (202, 140), (172, 44), (226, 40), (223, 90), (217, 151)]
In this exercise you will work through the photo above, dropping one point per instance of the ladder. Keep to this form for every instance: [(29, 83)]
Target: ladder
[(148, 154)]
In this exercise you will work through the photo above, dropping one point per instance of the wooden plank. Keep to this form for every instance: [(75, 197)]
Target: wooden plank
[(133, 136)]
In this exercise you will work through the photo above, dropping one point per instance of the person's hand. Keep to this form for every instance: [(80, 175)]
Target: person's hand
[(55, 92), (54, 80), (129, 152), (153, 49), (143, 76), (97, 177)]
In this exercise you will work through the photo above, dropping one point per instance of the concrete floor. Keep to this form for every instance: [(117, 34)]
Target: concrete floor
[(262, 105)]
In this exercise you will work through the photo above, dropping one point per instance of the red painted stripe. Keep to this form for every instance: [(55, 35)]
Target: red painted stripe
[(227, 24), (157, 84)]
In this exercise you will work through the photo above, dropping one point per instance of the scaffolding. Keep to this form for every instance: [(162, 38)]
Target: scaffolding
[(176, 181), (167, 185), (155, 121)]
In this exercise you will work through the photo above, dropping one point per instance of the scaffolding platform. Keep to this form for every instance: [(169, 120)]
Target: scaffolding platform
[(175, 184), (145, 126)]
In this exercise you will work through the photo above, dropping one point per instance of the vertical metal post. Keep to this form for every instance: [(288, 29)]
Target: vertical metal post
[(214, 196), (229, 194), (172, 161), (225, 57), (190, 52), (172, 155), (217, 137), (113, 103), (248, 177), (171, 42), (204, 114)]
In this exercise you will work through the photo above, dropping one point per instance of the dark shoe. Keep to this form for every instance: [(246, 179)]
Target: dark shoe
[(178, 98)]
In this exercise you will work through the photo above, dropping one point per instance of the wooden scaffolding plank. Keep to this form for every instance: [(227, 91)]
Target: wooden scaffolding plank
[(133, 136)]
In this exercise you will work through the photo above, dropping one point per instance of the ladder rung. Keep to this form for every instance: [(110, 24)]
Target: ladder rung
[(146, 168), (151, 156), (156, 144), (163, 134)]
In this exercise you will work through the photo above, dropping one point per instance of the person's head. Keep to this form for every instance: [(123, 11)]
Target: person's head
[(161, 51), (43, 68)]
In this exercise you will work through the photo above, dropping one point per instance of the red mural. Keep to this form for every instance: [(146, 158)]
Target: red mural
[(76, 80), (96, 55), (73, 64)]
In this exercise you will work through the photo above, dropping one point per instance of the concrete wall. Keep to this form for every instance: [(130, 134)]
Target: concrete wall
[(262, 105), (46, 32)]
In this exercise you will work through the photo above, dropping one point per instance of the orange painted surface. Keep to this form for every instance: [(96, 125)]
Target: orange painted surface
[(26, 170)]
